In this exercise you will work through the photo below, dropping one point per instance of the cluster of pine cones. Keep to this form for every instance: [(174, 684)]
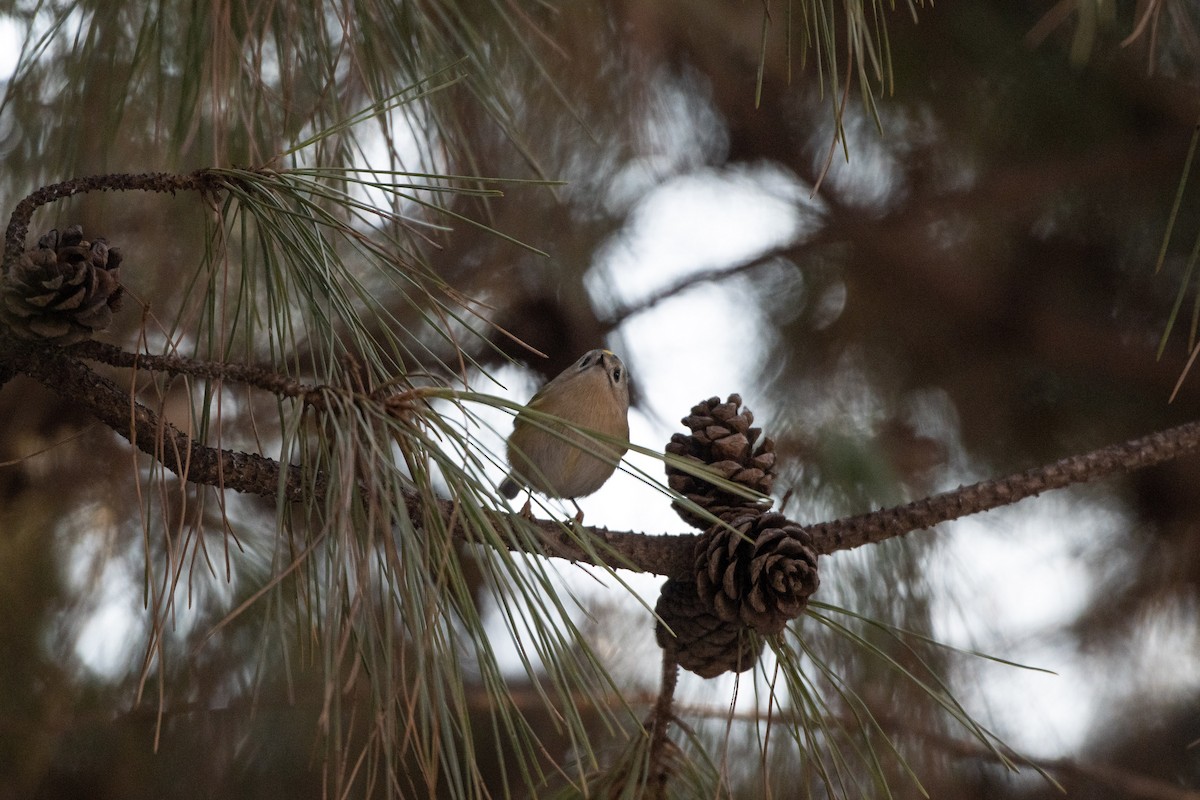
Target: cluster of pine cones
[(755, 569), (63, 290)]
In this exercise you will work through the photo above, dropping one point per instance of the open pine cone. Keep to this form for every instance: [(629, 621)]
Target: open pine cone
[(703, 642), (63, 290), (721, 439), (761, 576)]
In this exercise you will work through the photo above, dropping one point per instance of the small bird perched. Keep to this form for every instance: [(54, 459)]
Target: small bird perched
[(557, 461)]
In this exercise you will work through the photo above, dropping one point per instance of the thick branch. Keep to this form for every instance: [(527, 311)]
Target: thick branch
[(670, 555), (256, 474), (174, 449), (851, 532)]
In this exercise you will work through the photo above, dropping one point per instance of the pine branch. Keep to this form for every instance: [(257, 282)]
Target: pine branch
[(662, 554), (203, 181), (191, 461), (263, 378), (856, 531)]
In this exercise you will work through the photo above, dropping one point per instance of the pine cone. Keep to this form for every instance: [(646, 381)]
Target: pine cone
[(721, 437), (63, 290), (760, 576), (704, 643)]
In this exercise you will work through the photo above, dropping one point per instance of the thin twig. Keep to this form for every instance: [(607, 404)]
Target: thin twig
[(791, 251), (18, 224), (663, 752), (263, 378)]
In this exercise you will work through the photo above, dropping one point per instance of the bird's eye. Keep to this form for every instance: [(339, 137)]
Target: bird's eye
[(616, 375)]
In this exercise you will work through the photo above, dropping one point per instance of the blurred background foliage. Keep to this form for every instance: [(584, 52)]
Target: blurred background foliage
[(971, 293)]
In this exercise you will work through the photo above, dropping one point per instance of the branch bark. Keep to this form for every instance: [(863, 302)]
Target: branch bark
[(55, 369), (18, 224), (1146, 451), (664, 554)]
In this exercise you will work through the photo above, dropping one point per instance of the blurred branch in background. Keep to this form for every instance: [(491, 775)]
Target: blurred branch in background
[(1067, 775)]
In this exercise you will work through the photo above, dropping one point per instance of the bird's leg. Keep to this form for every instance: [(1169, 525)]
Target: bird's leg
[(578, 512)]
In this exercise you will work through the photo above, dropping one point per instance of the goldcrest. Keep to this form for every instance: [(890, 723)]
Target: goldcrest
[(591, 393)]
